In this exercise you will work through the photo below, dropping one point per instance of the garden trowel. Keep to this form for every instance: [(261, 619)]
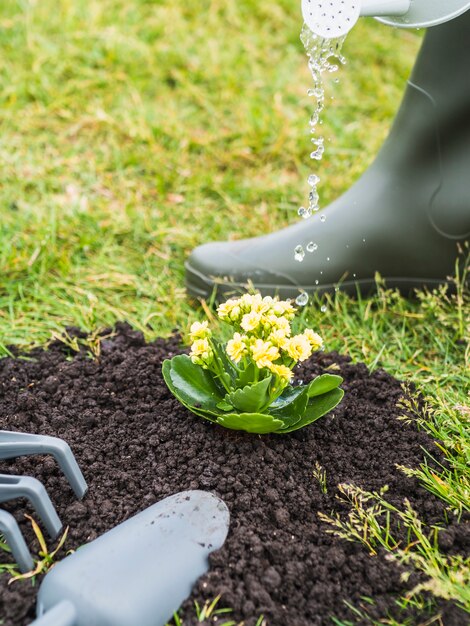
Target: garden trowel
[(139, 573)]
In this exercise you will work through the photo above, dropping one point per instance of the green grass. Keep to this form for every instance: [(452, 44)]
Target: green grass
[(134, 131)]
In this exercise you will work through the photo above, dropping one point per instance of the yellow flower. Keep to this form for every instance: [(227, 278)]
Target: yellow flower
[(199, 330), (235, 313), (261, 305), (228, 309), (284, 373), (236, 347), (313, 338), (279, 338), (284, 307), (224, 309), (250, 321), (280, 323), (201, 352), (298, 348), (245, 302), (264, 353)]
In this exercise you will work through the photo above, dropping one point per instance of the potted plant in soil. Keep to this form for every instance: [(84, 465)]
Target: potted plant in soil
[(246, 382)]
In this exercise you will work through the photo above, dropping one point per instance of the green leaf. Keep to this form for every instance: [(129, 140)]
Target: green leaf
[(251, 398), (288, 396), (194, 384), (209, 414), (259, 423), (224, 406), (318, 407), (290, 412), (322, 384), (246, 376), (230, 372)]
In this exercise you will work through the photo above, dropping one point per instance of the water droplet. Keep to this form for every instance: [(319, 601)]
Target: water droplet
[(324, 308), (322, 218), (316, 282), (305, 213), (299, 254), (302, 299), (313, 180), (312, 247), (327, 258), (364, 240), (313, 198), (318, 153), (354, 275), (314, 119)]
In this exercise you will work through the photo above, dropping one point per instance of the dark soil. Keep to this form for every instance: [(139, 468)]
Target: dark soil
[(136, 445)]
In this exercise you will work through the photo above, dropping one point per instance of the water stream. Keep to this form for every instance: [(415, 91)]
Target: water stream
[(324, 55)]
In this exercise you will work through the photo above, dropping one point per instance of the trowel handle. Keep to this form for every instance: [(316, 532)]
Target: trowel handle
[(13, 444), (63, 614)]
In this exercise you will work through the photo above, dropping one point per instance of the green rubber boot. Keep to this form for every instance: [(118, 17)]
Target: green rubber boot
[(404, 218)]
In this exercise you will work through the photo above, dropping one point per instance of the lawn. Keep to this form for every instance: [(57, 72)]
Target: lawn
[(134, 131)]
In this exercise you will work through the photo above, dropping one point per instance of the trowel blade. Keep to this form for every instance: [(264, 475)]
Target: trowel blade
[(141, 571)]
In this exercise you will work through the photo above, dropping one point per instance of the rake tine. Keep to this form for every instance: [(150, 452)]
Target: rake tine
[(12, 487), (13, 444), (11, 531)]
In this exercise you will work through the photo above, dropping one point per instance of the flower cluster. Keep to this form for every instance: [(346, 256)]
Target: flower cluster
[(264, 334)]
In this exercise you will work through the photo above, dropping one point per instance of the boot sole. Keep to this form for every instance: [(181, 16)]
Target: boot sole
[(199, 285)]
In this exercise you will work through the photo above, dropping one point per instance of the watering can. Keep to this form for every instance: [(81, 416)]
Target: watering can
[(139, 573), (335, 18)]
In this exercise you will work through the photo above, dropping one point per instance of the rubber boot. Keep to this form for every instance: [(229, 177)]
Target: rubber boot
[(404, 218)]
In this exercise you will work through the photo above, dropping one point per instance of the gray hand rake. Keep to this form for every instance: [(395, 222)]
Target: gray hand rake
[(12, 445)]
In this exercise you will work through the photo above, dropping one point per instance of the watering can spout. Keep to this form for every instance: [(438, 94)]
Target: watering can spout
[(335, 18)]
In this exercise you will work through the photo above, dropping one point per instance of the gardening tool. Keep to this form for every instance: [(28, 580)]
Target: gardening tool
[(13, 444), (335, 18), (11, 532), (140, 572), (12, 487), (404, 218)]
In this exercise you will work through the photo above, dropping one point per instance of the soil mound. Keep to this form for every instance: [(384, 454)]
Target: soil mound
[(136, 445)]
